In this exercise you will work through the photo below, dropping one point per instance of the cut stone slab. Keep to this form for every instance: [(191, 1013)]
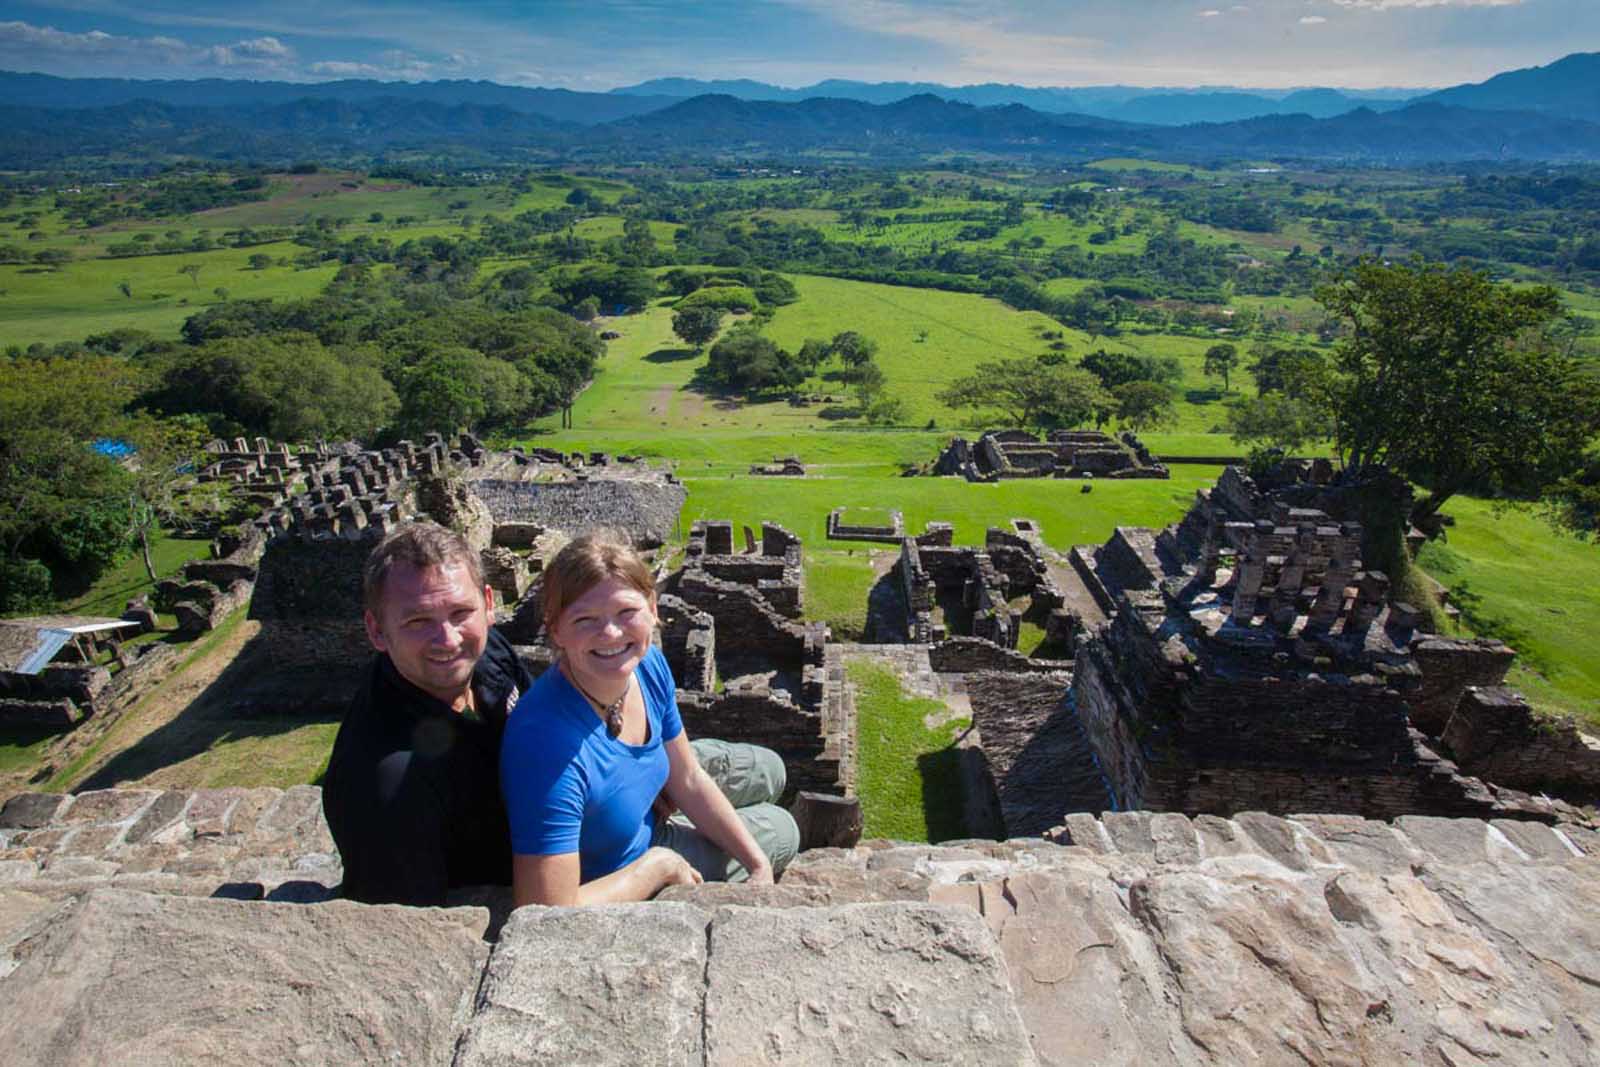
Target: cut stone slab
[(859, 983), (1088, 982), (622, 984), (132, 978)]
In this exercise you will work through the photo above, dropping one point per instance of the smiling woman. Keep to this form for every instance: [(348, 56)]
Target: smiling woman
[(596, 761)]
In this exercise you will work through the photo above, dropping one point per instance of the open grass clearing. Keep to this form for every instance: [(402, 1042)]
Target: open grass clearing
[(1540, 592), (127, 579), (909, 776)]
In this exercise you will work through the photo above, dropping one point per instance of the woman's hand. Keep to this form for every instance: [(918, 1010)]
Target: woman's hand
[(669, 868), (760, 875)]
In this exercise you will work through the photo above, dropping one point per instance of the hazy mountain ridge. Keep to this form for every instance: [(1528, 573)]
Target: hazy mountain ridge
[(1163, 106), (1569, 87), (273, 122)]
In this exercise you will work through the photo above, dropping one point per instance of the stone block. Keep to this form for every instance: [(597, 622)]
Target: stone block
[(29, 811), (614, 985), (859, 983), (135, 978), (108, 805)]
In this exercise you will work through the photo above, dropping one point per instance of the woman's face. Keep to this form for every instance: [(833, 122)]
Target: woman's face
[(604, 634)]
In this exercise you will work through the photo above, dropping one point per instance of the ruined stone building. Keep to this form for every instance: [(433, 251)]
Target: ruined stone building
[(1004, 454), (1252, 663)]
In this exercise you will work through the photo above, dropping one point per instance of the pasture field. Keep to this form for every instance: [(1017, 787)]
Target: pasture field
[(1540, 592), (83, 297), (644, 385)]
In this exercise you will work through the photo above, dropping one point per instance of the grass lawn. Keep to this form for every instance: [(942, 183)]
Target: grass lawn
[(836, 590), (112, 591), (908, 777), (1540, 593)]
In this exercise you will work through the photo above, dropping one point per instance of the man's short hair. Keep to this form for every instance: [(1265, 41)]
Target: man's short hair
[(420, 545)]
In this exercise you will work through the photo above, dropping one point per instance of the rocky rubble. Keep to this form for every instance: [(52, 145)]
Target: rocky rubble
[(1128, 938)]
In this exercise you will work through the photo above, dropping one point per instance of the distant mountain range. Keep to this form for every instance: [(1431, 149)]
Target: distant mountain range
[(1166, 107), (1538, 114)]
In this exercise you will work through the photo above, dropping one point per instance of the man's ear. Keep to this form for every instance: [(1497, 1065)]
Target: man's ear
[(488, 600), (374, 632)]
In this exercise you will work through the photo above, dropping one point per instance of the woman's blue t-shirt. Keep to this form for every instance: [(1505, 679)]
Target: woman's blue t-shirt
[(569, 787)]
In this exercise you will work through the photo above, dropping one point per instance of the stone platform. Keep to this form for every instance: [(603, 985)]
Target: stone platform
[(1130, 938)]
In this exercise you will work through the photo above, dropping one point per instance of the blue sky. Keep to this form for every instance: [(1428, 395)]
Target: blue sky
[(600, 44)]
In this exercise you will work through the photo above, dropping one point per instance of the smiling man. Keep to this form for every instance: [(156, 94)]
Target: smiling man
[(412, 792)]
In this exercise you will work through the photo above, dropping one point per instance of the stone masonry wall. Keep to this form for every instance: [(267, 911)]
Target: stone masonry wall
[(1132, 938), (1497, 736)]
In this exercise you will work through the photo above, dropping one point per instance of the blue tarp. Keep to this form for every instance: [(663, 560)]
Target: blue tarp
[(113, 447)]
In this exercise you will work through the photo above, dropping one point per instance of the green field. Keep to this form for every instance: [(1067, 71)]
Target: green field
[(1540, 593)]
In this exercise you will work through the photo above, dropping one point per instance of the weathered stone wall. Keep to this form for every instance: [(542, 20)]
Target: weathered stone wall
[(1449, 666), (1133, 938), (1030, 753), (1172, 732), (308, 602), (688, 640), (962, 654), (758, 715), (1497, 736), (647, 511)]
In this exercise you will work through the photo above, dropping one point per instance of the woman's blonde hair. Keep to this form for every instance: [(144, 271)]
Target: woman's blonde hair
[(584, 563)]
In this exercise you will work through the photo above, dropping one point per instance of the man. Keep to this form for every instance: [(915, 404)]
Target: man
[(412, 792)]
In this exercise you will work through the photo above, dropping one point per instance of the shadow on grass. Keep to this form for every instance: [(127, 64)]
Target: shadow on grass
[(671, 355), (942, 794), (251, 698), (835, 412), (1203, 396)]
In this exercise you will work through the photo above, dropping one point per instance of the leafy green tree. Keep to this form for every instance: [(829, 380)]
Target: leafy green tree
[(1028, 393), (744, 361), (259, 261), (443, 392), (1454, 381), (697, 325), (852, 348), (1293, 371), (1119, 368), (1220, 361), (1143, 405), (812, 354), (1276, 420), (166, 454), (62, 503)]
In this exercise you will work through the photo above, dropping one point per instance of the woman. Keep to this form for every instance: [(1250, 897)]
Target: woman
[(597, 742)]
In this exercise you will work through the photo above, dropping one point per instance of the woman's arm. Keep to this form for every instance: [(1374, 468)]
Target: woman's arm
[(554, 879), (697, 796)]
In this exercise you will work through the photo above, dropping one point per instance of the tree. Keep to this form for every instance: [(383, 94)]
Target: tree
[(1119, 368), (192, 270), (125, 287), (697, 326), (166, 454), (1454, 381), (260, 261), (852, 348), (745, 361), (1144, 405), (1285, 370), (812, 353), (1220, 361), (1029, 393), (1278, 420)]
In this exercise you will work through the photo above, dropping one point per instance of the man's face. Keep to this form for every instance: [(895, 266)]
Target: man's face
[(433, 624)]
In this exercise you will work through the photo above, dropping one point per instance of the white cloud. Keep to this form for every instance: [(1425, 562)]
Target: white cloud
[(258, 52), (95, 42), (1209, 13), (1312, 20)]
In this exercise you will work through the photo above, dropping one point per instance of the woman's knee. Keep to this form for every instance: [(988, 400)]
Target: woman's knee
[(747, 774)]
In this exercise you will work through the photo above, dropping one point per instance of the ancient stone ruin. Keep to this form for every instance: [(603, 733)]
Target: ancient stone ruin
[(1003, 454), (148, 926), (737, 618), (785, 467), (1252, 662)]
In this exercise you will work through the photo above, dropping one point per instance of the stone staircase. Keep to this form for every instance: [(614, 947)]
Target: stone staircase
[(1131, 938)]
